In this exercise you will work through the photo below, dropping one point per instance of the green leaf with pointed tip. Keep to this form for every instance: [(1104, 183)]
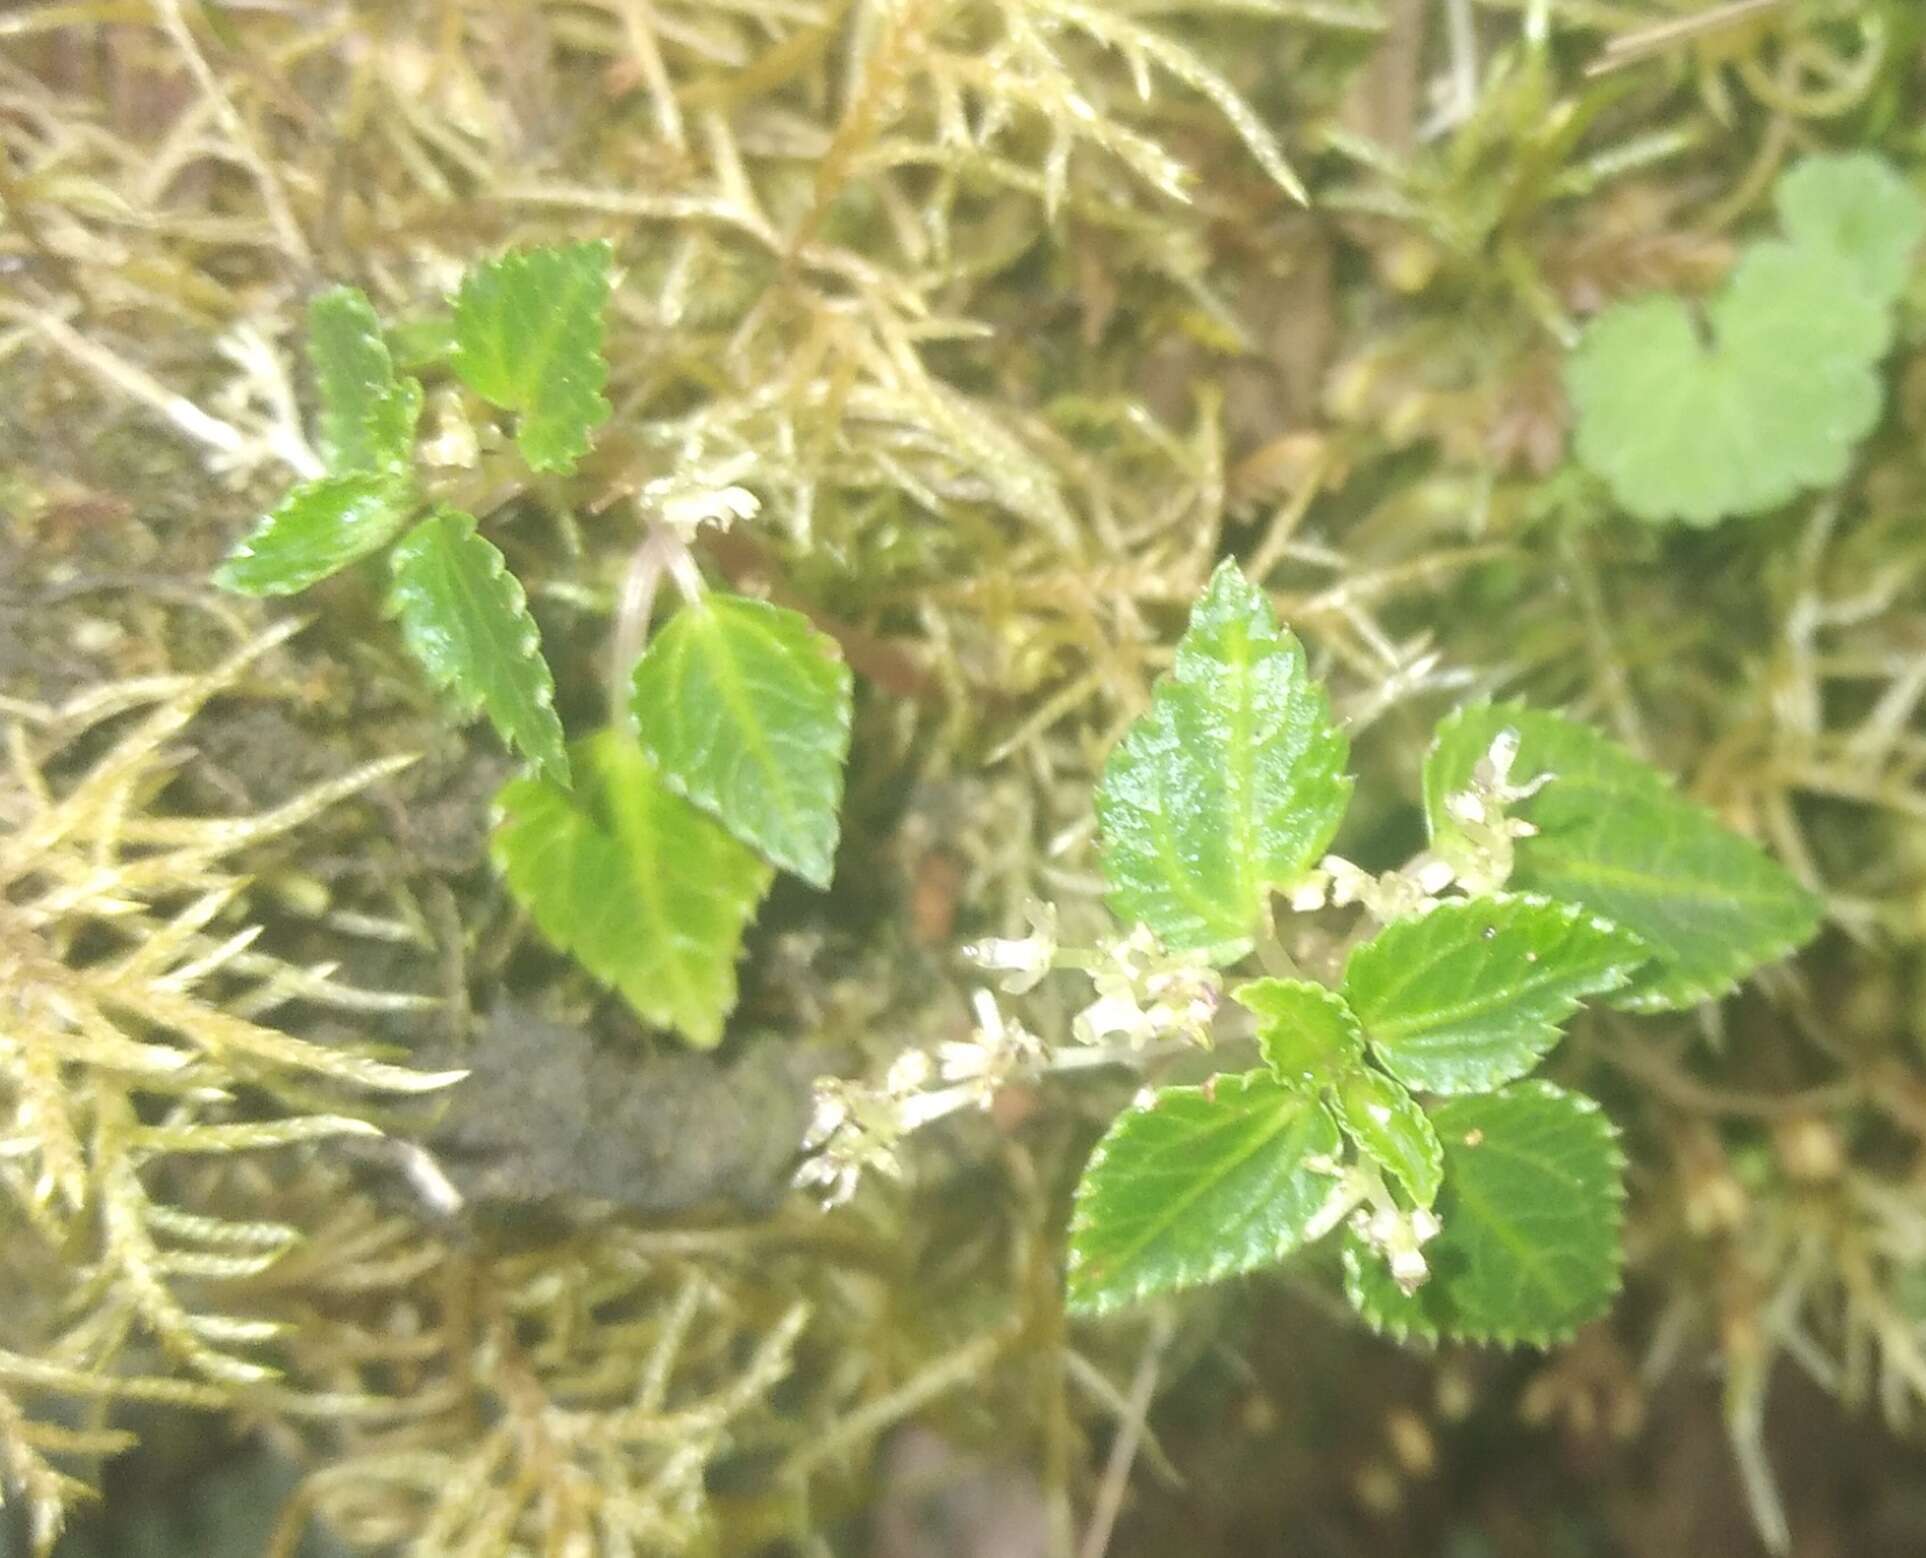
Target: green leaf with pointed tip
[(1615, 837), (367, 414), (1389, 1127), (1308, 1036), (465, 619), (1201, 1183), (1531, 1207), (528, 338), (1775, 403), (646, 892), (316, 530), (1230, 785), (746, 709), (1473, 993), (1855, 206)]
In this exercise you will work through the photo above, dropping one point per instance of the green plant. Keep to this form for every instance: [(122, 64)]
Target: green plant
[(1775, 401), (642, 850), (1013, 332), (1392, 1100)]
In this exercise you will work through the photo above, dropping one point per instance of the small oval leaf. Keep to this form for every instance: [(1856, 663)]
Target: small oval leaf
[(465, 619), (367, 414), (528, 338), (1389, 1126), (1201, 1183), (1472, 994), (318, 529), (1308, 1036), (746, 708)]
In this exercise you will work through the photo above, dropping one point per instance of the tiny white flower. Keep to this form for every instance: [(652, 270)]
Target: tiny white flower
[(1310, 893), (1482, 851), (1112, 1015), (1023, 959), (829, 1114), (964, 1060), (983, 1063), (853, 1129), (1499, 757), (1400, 1237), (1146, 992), (907, 1073), (1392, 895)]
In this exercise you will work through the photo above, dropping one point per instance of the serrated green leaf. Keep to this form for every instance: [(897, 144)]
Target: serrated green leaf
[(528, 338), (317, 529), (1615, 837), (1855, 206), (1775, 402), (1307, 1035), (1230, 785), (1531, 1207), (465, 619), (1202, 1183), (646, 892), (367, 414), (1388, 1126), (746, 709), (1473, 993)]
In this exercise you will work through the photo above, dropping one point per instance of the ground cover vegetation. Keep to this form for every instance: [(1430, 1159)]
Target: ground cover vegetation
[(905, 776)]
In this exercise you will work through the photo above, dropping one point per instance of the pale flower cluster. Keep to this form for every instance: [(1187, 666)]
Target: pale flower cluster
[(856, 1126), (1399, 1236), (1023, 961), (1146, 993), (999, 1050), (1482, 855), (1477, 857)]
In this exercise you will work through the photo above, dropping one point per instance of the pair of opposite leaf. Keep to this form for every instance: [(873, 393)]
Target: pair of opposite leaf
[(1231, 787), (526, 335), (743, 714), (645, 861), (1695, 418)]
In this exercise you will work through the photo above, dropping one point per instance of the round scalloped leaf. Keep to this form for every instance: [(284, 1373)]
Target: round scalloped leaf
[(1473, 993), (1531, 1209), (1854, 205), (1308, 1036), (1685, 428), (1230, 785), (1615, 837), (1199, 1184)]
